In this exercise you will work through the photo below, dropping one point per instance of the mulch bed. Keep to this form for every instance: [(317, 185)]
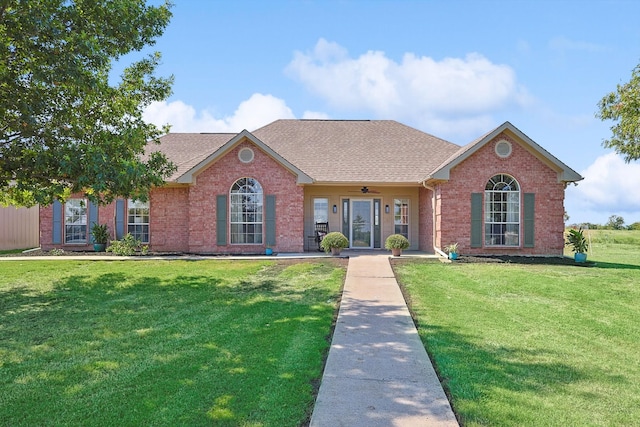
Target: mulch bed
[(522, 260)]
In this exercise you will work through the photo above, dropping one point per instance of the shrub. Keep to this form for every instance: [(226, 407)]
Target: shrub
[(396, 241), (127, 246), (335, 239), (100, 233), (452, 248)]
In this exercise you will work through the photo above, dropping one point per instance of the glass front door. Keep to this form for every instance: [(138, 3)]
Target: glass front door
[(361, 224)]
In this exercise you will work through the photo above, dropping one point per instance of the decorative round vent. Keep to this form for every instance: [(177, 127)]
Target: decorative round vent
[(246, 155), (503, 148)]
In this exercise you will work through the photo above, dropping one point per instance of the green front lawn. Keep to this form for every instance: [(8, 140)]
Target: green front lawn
[(238, 343), (535, 345)]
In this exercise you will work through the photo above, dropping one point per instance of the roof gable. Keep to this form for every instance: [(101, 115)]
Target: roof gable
[(200, 161), (565, 173)]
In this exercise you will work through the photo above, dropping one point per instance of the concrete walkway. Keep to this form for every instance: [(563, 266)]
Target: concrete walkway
[(378, 372)]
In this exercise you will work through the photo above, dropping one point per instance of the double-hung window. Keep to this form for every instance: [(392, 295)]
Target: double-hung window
[(502, 211), (138, 220), (320, 209), (75, 221), (246, 204), (401, 217)]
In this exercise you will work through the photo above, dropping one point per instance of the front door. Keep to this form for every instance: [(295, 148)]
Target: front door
[(361, 224)]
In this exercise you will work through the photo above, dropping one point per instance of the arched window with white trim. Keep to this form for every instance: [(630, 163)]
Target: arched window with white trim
[(246, 207), (502, 211)]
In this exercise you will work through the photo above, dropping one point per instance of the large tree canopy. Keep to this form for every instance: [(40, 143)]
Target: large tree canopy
[(64, 128), (623, 107)]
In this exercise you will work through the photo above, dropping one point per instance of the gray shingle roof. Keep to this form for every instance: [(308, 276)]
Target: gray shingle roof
[(186, 150), (343, 151)]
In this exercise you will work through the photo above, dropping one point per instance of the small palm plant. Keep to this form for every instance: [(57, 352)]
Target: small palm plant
[(452, 250), (579, 244)]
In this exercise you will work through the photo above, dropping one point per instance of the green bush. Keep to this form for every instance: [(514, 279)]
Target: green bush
[(396, 241), (577, 241), (335, 239), (452, 248), (128, 246), (100, 233)]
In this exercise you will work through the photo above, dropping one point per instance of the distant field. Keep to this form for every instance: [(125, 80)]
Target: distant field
[(613, 245)]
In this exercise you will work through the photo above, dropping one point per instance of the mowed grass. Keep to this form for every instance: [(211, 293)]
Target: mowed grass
[(238, 343), (534, 345)]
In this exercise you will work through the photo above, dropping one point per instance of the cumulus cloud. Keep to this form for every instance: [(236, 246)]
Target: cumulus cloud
[(450, 93), (610, 187), (251, 114)]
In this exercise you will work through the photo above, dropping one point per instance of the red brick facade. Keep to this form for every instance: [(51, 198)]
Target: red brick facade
[(183, 216), (471, 176)]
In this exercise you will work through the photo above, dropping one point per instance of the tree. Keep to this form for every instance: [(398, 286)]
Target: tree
[(623, 107), (634, 226), (615, 222), (64, 128)]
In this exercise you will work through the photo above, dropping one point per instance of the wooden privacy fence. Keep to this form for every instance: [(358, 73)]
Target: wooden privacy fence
[(19, 228)]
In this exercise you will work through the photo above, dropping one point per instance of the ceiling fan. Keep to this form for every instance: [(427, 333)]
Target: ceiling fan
[(365, 190)]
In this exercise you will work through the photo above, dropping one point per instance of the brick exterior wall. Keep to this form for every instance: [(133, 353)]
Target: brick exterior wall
[(46, 227), (183, 219), (425, 221), (169, 219), (471, 176), (218, 179)]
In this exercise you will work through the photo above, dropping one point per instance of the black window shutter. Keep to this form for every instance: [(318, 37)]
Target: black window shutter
[(476, 220)]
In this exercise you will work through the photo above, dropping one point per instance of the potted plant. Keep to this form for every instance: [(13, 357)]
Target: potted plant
[(100, 235), (334, 242), (396, 242), (452, 250), (578, 243), (268, 250)]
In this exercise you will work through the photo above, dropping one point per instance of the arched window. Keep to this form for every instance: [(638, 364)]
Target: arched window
[(246, 202), (502, 211)]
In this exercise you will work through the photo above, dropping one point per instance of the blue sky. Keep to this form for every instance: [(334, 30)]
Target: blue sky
[(455, 69)]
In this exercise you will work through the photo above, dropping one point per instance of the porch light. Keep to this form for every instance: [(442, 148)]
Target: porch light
[(335, 208), (386, 208)]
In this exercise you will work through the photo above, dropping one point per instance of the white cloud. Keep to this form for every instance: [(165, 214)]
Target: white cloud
[(315, 115), (563, 44), (459, 93), (251, 114), (610, 187)]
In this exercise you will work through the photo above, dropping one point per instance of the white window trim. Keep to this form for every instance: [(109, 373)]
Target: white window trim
[(260, 203), (130, 202), (86, 222), (408, 224), (313, 208), (487, 214)]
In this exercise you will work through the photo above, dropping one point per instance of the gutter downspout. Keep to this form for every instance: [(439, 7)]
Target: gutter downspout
[(433, 219)]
